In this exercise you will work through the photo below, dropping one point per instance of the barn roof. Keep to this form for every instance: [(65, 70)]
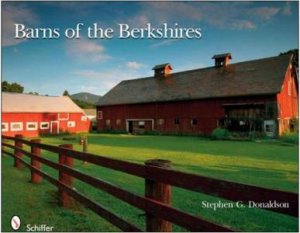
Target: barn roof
[(256, 77), (17, 102)]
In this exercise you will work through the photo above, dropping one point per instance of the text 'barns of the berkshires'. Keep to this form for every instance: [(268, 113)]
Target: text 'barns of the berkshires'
[(253, 96)]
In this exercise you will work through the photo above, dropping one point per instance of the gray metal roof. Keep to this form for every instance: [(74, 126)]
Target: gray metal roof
[(256, 77)]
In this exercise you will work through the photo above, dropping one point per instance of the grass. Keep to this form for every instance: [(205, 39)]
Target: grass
[(265, 164)]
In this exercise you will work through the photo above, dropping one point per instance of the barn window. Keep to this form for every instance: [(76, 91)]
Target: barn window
[(71, 124), (63, 116), (84, 118), (269, 128), (176, 121), (242, 123), (160, 121), (99, 115), (4, 127), (118, 121), (107, 122), (44, 125), (16, 126), (141, 124), (31, 126), (194, 121)]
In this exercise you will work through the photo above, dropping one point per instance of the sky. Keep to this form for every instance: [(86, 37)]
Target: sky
[(248, 30)]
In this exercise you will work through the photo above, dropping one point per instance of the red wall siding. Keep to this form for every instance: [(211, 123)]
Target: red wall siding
[(80, 126), (207, 113), (288, 102)]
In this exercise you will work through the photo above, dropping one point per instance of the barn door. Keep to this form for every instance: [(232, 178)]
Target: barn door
[(130, 126), (54, 127)]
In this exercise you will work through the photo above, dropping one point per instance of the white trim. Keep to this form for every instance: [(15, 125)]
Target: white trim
[(33, 123), (71, 124), (51, 126), (47, 127), (84, 118), (6, 127), (13, 123), (58, 116)]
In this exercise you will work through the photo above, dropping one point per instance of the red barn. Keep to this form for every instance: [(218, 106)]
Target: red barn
[(253, 96), (34, 115)]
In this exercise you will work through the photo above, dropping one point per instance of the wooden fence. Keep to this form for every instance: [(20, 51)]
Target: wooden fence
[(159, 178)]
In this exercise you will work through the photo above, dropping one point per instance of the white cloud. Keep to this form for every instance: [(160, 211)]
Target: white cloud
[(12, 15), (224, 15), (263, 13), (87, 50), (89, 88), (162, 43), (138, 21), (242, 24), (163, 11), (107, 79), (287, 9), (134, 65), (158, 13)]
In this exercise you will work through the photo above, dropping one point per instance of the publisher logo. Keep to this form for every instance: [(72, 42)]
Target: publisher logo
[(15, 222)]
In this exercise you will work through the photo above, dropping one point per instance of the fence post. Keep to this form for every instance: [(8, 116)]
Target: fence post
[(160, 192), (85, 148), (64, 199), (85, 145), (35, 177), (18, 153)]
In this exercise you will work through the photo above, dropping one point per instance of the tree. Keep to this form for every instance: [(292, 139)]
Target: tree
[(66, 93), (13, 87), (33, 93), (5, 86), (83, 104)]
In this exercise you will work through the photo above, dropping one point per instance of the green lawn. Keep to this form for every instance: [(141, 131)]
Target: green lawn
[(265, 164)]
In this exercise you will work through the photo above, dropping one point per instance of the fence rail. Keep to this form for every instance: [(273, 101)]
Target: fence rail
[(158, 180)]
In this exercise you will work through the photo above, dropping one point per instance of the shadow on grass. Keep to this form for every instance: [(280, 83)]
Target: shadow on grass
[(267, 178)]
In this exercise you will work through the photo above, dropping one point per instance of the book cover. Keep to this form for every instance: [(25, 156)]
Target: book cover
[(149, 116)]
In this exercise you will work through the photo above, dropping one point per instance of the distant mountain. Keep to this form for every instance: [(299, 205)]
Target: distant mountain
[(86, 97)]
